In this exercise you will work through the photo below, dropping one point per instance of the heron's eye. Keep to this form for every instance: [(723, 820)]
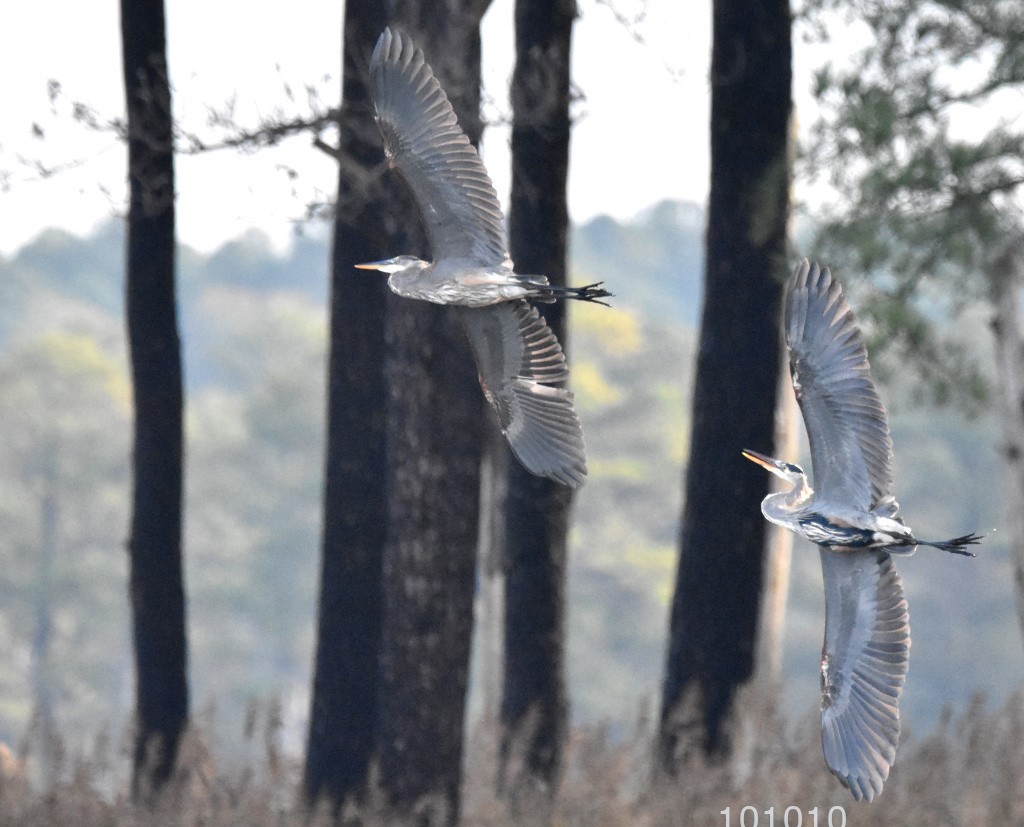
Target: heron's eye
[(793, 469)]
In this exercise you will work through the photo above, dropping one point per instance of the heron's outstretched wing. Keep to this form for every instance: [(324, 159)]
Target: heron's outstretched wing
[(851, 448), (863, 666), (519, 361), (424, 142)]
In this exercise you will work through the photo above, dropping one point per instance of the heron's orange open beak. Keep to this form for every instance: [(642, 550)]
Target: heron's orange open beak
[(760, 459)]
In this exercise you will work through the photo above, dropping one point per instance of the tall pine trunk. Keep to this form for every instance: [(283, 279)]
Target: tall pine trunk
[(433, 432), (343, 713), (154, 546), (713, 631), (534, 709)]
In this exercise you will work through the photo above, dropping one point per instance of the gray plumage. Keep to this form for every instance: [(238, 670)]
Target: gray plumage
[(851, 514), (519, 358), (851, 449), (863, 667), (520, 361), (425, 144)]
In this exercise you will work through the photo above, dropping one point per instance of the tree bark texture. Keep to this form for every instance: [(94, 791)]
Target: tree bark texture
[(343, 713), (714, 617), (534, 709), (434, 426), (155, 563)]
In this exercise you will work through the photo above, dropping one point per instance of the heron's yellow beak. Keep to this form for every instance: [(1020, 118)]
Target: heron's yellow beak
[(371, 265), (760, 459)]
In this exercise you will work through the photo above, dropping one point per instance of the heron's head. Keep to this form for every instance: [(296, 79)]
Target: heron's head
[(390, 265), (786, 470)]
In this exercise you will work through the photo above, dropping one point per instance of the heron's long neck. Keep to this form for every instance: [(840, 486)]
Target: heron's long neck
[(405, 282), (781, 507)]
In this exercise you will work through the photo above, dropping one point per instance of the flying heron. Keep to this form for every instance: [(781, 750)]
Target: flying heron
[(520, 362), (851, 515)]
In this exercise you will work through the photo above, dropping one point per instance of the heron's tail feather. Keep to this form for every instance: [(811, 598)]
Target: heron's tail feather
[(588, 293), (958, 545)]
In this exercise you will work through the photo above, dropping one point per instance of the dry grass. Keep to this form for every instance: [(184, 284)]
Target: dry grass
[(969, 771)]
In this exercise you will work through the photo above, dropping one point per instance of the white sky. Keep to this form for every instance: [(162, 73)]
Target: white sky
[(641, 137)]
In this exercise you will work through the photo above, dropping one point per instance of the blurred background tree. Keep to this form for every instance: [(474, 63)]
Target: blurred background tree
[(65, 406)]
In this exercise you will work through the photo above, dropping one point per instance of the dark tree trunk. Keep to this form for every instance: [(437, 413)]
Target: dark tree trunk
[(343, 713), (718, 587), (534, 706), (433, 432), (157, 590)]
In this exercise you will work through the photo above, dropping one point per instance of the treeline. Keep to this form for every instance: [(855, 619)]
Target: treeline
[(254, 355), (254, 349)]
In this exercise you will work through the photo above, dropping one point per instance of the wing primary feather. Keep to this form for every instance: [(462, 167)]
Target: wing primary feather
[(851, 447), (520, 361), (864, 666), (455, 196)]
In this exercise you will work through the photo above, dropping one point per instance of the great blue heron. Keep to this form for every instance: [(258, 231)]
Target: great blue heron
[(851, 515), (519, 359)]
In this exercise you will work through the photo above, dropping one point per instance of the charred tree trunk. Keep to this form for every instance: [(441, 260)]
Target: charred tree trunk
[(1009, 335), (343, 713), (433, 432), (154, 545), (534, 709), (714, 617)]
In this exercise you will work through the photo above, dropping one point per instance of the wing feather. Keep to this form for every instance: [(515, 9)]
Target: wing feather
[(520, 362), (423, 141), (851, 447), (864, 665)]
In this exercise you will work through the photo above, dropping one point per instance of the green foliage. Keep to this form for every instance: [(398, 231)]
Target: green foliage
[(63, 507), (75, 267), (927, 166), (653, 264), (253, 497), (624, 524), (256, 369), (893, 134)]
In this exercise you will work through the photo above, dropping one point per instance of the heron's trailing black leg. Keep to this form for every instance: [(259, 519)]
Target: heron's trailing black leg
[(589, 293), (956, 545)]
